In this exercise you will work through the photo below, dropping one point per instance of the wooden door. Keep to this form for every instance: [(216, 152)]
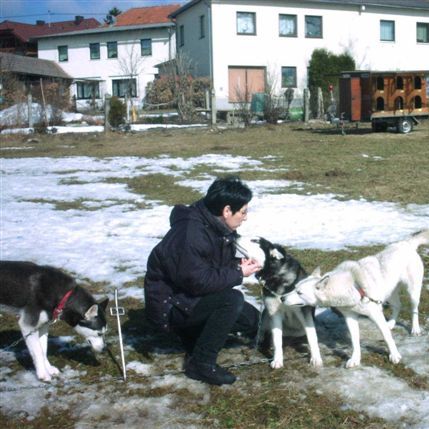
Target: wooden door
[(356, 96), (245, 81)]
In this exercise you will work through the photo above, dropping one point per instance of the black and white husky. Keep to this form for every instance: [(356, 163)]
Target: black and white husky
[(42, 294), (279, 274)]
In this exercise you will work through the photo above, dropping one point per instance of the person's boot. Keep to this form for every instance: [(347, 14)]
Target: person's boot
[(208, 373), (186, 359)]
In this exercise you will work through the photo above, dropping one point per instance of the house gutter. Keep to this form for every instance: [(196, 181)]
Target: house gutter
[(370, 3), (209, 20)]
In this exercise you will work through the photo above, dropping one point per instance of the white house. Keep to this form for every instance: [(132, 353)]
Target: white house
[(240, 44), (118, 59)]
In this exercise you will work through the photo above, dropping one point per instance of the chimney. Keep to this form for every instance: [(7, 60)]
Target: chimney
[(40, 22), (78, 19)]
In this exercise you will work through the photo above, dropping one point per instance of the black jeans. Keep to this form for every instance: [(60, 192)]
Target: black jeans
[(205, 330)]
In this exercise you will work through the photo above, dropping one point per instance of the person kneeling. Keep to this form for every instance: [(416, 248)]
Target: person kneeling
[(191, 274)]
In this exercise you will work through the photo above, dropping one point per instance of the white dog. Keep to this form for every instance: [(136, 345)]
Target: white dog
[(361, 287)]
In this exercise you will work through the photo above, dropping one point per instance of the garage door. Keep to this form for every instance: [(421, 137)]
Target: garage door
[(245, 81)]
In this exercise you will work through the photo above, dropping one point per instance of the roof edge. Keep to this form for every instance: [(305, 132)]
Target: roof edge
[(109, 29), (322, 2)]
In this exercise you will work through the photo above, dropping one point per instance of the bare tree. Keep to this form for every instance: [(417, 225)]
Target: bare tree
[(242, 102), (14, 90), (181, 81), (273, 103), (131, 66)]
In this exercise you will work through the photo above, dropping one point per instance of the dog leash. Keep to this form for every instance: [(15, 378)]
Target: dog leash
[(363, 295), (23, 338), (56, 315)]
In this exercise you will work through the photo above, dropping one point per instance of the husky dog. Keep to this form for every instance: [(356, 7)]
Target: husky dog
[(279, 274), (361, 287), (42, 294)]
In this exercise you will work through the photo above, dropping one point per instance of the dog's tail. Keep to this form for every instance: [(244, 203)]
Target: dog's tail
[(419, 238)]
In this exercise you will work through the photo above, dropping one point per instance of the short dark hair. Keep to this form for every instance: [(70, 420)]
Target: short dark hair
[(227, 191)]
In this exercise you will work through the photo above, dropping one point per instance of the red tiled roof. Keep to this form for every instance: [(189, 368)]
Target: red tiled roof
[(27, 31), (146, 15)]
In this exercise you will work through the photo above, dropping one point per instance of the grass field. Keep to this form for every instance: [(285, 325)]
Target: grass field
[(358, 165)]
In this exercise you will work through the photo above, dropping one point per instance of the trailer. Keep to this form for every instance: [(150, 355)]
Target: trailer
[(385, 98)]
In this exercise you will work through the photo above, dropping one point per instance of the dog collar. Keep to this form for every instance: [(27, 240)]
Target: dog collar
[(363, 295), (277, 295), (59, 308)]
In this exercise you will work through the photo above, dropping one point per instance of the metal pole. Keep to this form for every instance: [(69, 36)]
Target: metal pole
[(124, 370)]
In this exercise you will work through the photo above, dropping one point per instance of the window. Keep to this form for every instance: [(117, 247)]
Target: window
[(288, 77), (112, 49), (94, 51), (399, 82), (63, 53), (422, 32), (287, 25), (387, 31), (181, 35), (202, 27), (417, 82), (123, 87), (417, 101), (87, 90), (399, 103), (313, 26), (146, 47), (380, 83), (246, 23)]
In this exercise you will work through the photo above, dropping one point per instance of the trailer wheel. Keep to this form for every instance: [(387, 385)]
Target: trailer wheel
[(404, 125)]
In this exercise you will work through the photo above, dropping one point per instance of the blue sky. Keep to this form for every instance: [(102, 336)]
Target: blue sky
[(62, 10)]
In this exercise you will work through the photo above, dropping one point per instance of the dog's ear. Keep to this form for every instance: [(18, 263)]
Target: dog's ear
[(274, 253), (316, 273), (103, 304), (91, 312), (322, 282)]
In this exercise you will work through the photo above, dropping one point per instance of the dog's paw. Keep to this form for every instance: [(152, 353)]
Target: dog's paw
[(316, 362), (353, 363), (276, 364), (391, 323), (416, 332), (45, 377), (53, 371), (395, 357)]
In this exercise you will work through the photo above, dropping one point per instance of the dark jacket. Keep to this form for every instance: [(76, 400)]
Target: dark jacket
[(195, 258)]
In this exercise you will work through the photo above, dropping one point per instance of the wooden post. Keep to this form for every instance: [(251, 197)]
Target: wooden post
[(127, 104), (44, 103), (107, 98), (320, 108), (306, 105), (30, 109)]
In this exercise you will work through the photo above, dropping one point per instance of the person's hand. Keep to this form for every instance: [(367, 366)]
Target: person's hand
[(249, 267)]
